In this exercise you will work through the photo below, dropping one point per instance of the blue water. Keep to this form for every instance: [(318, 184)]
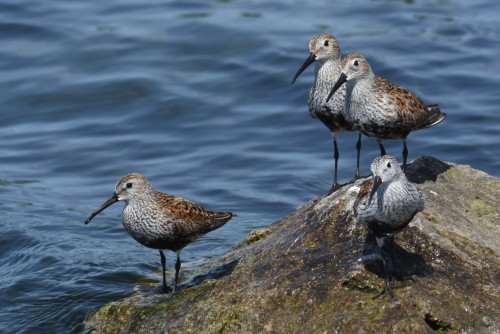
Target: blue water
[(197, 96)]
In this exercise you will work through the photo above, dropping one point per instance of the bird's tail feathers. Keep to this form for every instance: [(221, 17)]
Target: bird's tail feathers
[(436, 116)]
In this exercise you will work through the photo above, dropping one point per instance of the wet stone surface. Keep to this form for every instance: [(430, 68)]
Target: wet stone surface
[(314, 271)]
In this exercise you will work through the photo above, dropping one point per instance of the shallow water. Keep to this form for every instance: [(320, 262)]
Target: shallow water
[(197, 96)]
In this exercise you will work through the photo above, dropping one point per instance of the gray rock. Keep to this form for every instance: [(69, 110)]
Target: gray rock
[(305, 273)]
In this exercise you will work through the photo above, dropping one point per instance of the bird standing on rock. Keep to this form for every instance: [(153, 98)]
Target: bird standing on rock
[(378, 108), (387, 204), (160, 221)]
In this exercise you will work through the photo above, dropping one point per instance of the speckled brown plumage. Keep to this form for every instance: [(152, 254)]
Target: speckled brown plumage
[(364, 191), (161, 221), (379, 108)]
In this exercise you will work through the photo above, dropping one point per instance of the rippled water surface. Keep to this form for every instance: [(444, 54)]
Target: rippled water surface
[(197, 96)]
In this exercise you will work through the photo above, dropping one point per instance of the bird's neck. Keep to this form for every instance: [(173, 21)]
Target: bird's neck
[(142, 201), (361, 86), (358, 95), (327, 73)]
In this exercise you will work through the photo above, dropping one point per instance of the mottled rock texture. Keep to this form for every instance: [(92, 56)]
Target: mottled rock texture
[(304, 274)]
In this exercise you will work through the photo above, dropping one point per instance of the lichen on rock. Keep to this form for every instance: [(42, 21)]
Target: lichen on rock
[(304, 273)]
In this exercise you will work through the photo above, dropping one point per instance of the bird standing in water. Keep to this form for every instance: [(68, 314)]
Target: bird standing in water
[(160, 221)]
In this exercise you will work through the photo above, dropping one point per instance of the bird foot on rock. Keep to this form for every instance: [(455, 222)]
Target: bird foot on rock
[(389, 288), (164, 289)]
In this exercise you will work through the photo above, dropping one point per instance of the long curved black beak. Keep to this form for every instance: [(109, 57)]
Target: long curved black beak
[(309, 61), (340, 82), (376, 183), (112, 200)]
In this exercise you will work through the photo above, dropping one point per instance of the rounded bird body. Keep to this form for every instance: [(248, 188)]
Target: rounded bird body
[(391, 208), (161, 221), (388, 112), (181, 221), (388, 202)]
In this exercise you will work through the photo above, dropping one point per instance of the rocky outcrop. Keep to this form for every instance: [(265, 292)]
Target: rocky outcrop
[(311, 272)]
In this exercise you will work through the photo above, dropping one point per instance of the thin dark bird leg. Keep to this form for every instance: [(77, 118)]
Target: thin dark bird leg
[(390, 270), (381, 145), (336, 157), (395, 274), (393, 259), (405, 155), (388, 284), (163, 264), (177, 269), (358, 154)]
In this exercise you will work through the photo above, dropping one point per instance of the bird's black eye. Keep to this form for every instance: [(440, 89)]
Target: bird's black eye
[(326, 43), (356, 63), (388, 165), (129, 185)]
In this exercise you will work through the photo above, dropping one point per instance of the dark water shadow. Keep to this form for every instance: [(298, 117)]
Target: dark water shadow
[(407, 264), (425, 168), (218, 272)]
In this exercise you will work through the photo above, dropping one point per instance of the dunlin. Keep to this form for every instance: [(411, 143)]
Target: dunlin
[(387, 204), (325, 51), (379, 108), (161, 221)]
